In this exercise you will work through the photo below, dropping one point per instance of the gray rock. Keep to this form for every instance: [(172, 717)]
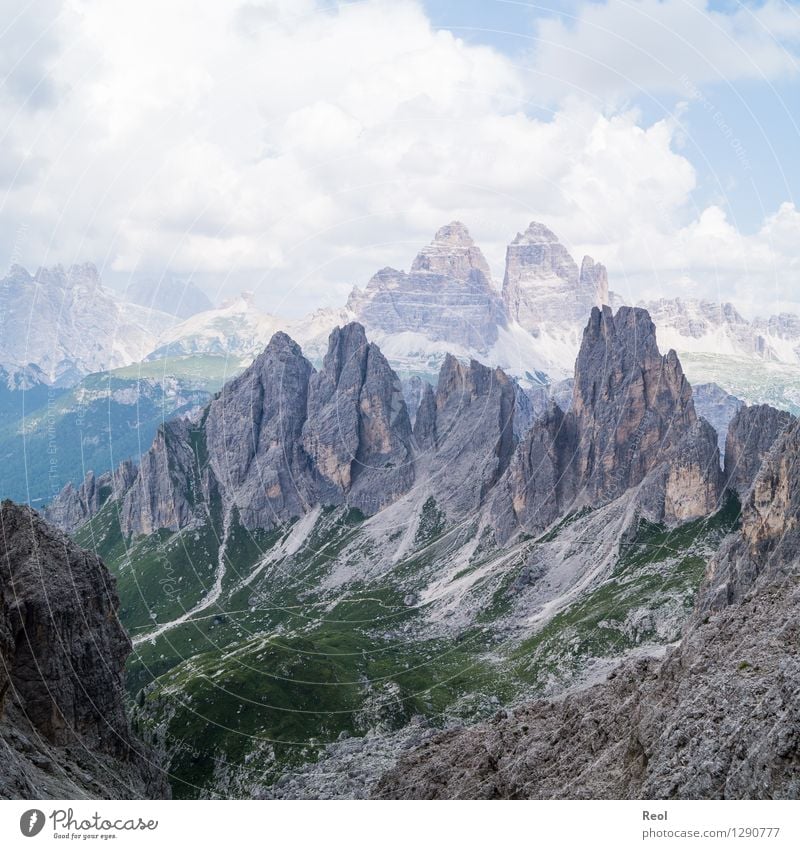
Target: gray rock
[(357, 433), (559, 392), (474, 433), (165, 491), (425, 420), (446, 296), (542, 283), (751, 434), (253, 437), (63, 716), (524, 411), (688, 483), (769, 542), (413, 390), (279, 439), (541, 481), (72, 507), (594, 278), (631, 404), (631, 416)]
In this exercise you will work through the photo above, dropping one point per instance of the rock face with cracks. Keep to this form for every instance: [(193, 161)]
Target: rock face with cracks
[(279, 439), (64, 731), (543, 284)]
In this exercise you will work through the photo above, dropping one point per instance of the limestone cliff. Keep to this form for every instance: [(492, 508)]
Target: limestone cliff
[(357, 433), (471, 424), (252, 436), (543, 285), (72, 507)]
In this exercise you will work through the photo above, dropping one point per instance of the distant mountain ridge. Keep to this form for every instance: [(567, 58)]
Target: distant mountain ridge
[(530, 326), (64, 322), (447, 302)]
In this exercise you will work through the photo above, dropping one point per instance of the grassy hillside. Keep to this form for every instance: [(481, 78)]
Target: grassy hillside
[(335, 625)]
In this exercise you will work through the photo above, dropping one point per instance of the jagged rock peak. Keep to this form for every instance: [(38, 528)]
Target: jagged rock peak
[(455, 233), (253, 433), (347, 347), (471, 380), (632, 404), (472, 427), (453, 253), (542, 282), (536, 234), (425, 419), (160, 495), (358, 432), (280, 345), (447, 296), (632, 421), (73, 507), (78, 274), (768, 546)]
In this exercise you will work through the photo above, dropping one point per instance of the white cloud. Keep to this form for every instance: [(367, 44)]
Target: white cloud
[(299, 150), (627, 47)]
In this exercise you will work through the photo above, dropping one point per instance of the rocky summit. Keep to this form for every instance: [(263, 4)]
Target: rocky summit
[(279, 439), (446, 296), (631, 423), (543, 285), (751, 435), (74, 507), (64, 729)]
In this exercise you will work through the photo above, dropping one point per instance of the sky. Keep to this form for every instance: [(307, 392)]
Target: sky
[(294, 147)]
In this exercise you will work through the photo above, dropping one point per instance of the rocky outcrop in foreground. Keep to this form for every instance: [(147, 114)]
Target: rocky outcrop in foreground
[(719, 717), (64, 729)]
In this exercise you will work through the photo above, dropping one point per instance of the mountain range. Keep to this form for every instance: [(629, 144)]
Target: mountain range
[(315, 585), (89, 375), (342, 544), (66, 324)]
